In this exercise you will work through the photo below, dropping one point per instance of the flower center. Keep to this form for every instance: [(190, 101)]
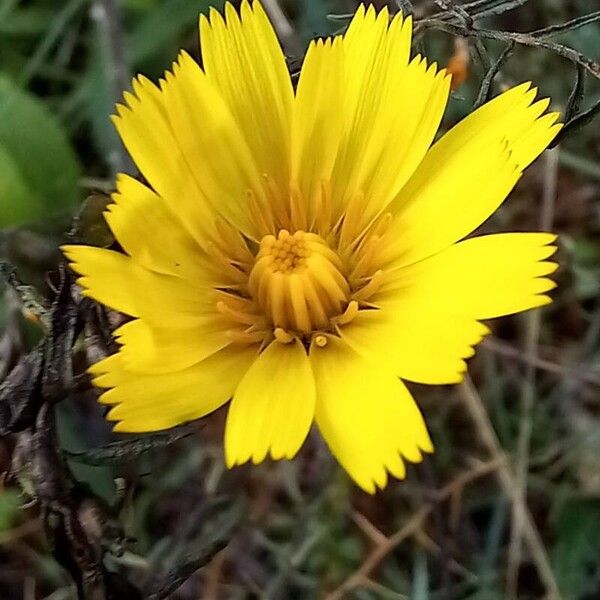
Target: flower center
[(297, 281)]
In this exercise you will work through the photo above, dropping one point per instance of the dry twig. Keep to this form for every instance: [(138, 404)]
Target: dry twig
[(528, 390), (386, 545), (488, 437), (506, 350)]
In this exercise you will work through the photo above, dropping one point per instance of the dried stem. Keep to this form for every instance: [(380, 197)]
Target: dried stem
[(506, 478), (107, 15), (13, 535), (506, 350), (528, 389), (386, 545), (523, 39)]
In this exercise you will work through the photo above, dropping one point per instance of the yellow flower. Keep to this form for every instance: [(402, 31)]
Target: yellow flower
[(299, 250)]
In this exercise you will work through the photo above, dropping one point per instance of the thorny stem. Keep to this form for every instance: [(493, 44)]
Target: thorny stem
[(523, 39), (466, 20)]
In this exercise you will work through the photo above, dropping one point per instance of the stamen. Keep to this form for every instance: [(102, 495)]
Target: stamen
[(260, 216), (382, 224), (377, 226), (296, 280), (368, 290), (233, 242), (238, 316), (363, 266), (352, 219), (245, 337), (349, 314), (234, 273), (298, 207), (323, 214), (311, 274), (282, 336), (276, 200)]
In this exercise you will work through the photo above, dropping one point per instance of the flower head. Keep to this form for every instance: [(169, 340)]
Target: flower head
[(299, 250)]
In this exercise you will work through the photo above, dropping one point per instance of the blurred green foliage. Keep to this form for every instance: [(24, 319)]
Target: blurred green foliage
[(10, 509), (39, 171)]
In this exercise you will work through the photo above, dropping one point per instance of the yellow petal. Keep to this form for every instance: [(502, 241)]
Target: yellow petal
[(468, 173), (151, 233), (143, 124), (392, 108), (273, 406), (242, 58), (430, 311), (117, 281), (212, 143), (159, 401), (316, 126), (150, 348), (511, 116), (366, 415), (145, 131), (483, 277), (364, 116), (418, 341)]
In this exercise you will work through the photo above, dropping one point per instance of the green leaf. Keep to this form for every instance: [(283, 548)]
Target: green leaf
[(17, 201), (42, 168)]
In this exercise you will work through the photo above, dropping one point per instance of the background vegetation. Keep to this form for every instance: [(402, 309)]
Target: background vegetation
[(509, 506)]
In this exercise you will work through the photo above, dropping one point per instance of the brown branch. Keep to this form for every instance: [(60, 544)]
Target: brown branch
[(523, 39)]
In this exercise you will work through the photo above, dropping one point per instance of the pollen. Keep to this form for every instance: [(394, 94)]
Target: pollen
[(297, 281)]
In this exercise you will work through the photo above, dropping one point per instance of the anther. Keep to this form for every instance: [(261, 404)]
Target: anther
[(349, 314), (365, 261), (368, 290), (233, 241)]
